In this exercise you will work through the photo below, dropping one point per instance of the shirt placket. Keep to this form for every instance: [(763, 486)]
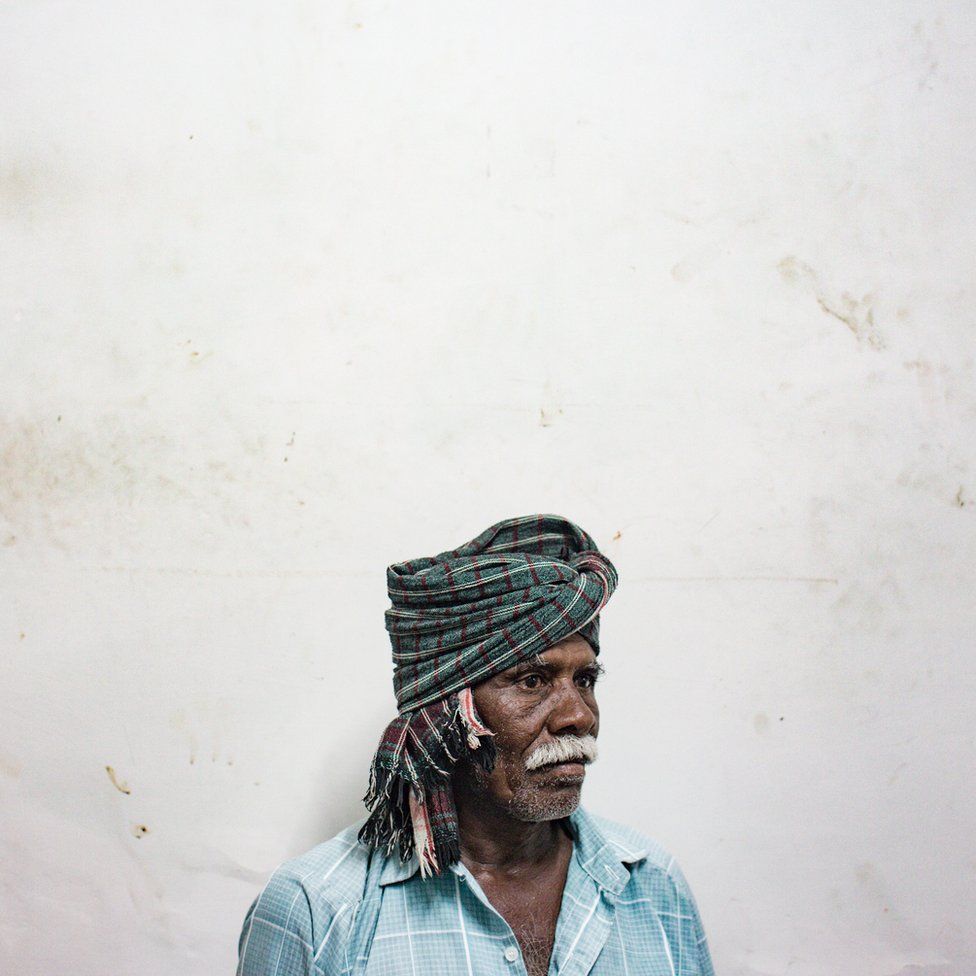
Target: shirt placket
[(509, 952), (586, 919), (581, 930)]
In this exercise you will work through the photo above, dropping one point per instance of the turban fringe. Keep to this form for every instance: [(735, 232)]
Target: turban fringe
[(409, 785), (457, 619)]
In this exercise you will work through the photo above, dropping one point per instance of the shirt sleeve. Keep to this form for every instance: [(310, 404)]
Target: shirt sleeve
[(694, 939), (277, 936)]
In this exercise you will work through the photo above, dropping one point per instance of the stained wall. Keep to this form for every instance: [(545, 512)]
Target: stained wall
[(291, 291)]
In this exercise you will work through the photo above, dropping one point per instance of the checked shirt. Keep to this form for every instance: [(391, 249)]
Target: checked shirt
[(340, 910)]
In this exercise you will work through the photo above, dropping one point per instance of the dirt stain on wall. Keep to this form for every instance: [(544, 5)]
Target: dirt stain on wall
[(10, 766), (116, 782), (855, 313)]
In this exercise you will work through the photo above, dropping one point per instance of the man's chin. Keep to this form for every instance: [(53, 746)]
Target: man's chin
[(553, 801)]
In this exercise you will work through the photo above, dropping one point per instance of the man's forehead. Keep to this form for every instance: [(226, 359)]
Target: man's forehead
[(574, 651)]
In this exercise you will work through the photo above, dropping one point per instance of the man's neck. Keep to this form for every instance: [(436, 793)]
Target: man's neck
[(493, 840)]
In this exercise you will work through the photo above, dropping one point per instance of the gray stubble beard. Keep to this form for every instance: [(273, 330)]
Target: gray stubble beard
[(535, 805)]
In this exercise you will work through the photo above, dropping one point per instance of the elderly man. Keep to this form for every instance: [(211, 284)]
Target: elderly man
[(476, 858)]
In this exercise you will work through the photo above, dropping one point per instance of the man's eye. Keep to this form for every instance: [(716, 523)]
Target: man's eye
[(586, 680), (531, 681)]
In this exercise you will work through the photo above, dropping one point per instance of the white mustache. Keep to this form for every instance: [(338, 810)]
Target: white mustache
[(567, 748)]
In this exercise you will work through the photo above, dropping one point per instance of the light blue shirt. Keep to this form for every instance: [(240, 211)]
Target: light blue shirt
[(341, 910)]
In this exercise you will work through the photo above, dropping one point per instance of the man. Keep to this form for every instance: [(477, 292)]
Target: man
[(476, 858)]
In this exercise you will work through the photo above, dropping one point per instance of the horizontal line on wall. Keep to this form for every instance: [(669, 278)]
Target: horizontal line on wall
[(731, 579), (239, 573)]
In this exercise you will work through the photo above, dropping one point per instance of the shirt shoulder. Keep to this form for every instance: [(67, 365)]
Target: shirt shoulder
[(658, 883), (646, 858), (332, 874), (632, 845), (305, 909)]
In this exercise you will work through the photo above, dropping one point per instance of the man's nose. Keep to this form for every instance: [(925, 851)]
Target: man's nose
[(570, 713)]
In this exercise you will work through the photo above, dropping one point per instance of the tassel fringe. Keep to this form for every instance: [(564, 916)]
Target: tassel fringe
[(409, 798)]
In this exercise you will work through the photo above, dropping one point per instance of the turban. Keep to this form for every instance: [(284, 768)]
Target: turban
[(458, 619)]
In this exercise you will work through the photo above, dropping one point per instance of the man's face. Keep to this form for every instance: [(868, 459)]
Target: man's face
[(532, 706)]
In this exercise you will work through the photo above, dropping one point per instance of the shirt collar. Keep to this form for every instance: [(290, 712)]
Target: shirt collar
[(396, 870), (607, 864)]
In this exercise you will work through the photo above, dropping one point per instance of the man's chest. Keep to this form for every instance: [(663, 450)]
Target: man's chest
[(449, 927), (532, 911)]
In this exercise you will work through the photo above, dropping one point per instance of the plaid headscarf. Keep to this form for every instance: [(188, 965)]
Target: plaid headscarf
[(457, 619)]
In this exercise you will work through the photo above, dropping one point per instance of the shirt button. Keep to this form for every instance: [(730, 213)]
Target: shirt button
[(511, 953)]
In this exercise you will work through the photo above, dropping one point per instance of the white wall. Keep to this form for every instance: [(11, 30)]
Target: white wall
[(294, 290)]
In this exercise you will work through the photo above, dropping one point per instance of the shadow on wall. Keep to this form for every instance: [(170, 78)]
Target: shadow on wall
[(335, 798)]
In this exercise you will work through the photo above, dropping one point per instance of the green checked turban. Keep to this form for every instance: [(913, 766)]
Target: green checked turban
[(457, 619)]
